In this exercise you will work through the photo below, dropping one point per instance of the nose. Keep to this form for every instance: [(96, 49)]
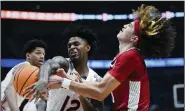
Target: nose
[(42, 56), (125, 26), (72, 46)]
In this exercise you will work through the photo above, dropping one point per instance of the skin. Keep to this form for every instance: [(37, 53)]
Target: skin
[(35, 58), (78, 49), (99, 91)]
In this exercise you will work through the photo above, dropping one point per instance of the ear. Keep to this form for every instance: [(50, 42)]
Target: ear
[(88, 48), (135, 39), (28, 55)]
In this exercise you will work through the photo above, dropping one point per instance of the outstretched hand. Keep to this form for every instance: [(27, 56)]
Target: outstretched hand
[(37, 89), (77, 76), (61, 72), (56, 80)]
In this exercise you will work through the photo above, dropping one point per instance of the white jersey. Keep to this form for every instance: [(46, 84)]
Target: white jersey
[(4, 85), (65, 100)]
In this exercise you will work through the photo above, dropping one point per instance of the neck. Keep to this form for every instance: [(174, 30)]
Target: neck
[(82, 68), (125, 47), (28, 61)]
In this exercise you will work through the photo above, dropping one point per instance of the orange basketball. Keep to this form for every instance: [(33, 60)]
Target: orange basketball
[(24, 77)]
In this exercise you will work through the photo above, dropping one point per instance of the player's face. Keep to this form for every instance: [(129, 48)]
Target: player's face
[(36, 57), (126, 32), (77, 48)]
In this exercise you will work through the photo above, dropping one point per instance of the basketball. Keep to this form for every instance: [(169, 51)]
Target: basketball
[(24, 77)]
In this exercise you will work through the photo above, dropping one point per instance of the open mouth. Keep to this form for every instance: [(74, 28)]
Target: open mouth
[(41, 61), (73, 54)]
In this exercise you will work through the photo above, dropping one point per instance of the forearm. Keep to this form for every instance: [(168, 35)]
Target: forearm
[(10, 94), (87, 106), (45, 72), (51, 66), (94, 90)]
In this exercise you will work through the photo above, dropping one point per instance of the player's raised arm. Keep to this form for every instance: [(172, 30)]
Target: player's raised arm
[(94, 90), (51, 67), (48, 68)]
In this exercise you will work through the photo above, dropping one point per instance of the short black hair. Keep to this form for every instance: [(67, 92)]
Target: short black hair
[(32, 44), (83, 32)]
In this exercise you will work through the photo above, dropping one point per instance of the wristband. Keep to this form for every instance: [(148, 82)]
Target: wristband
[(66, 83)]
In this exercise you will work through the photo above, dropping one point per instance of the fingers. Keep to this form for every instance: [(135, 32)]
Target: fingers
[(37, 96), (61, 72), (44, 96), (29, 87), (29, 92), (78, 77), (33, 96), (77, 74)]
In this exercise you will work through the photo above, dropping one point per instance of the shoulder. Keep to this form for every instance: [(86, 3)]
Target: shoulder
[(21, 64), (18, 66)]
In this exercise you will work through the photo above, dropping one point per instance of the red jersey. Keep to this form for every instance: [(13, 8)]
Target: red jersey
[(133, 93)]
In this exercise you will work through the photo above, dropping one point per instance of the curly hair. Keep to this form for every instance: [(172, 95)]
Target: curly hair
[(31, 45), (157, 36), (83, 32)]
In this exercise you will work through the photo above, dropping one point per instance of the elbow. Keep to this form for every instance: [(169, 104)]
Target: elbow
[(100, 97), (100, 93)]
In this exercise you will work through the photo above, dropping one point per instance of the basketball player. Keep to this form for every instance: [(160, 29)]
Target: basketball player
[(34, 51), (149, 35), (81, 44)]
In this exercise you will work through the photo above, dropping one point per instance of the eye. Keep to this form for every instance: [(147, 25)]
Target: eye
[(76, 43), (68, 45), (38, 52)]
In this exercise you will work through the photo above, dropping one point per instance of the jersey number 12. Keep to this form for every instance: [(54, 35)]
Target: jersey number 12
[(74, 102)]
